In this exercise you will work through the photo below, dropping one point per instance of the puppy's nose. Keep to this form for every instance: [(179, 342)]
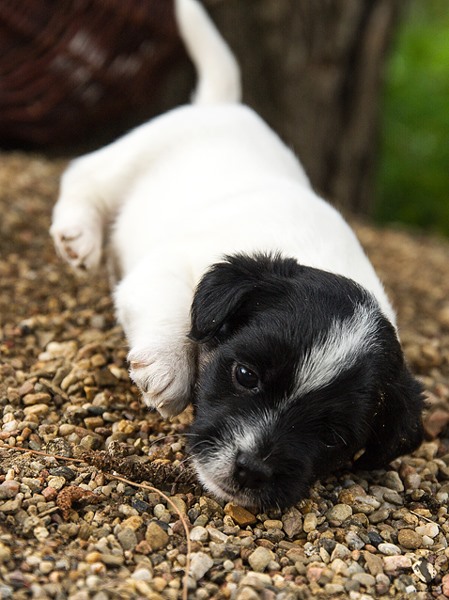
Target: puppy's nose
[(251, 471)]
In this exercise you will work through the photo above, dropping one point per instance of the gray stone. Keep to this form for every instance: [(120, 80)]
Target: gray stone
[(389, 549), (260, 558), (199, 534), (127, 538), (9, 489), (354, 541), (247, 593), (393, 497), (393, 481), (142, 574), (374, 563), (259, 581), (338, 513), (378, 516), (365, 504), (334, 588), (429, 529), (112, 560), (217, 550), (200, 563), (340, 551), (217, 536), (365, 579), (292, 522), (11, 506)]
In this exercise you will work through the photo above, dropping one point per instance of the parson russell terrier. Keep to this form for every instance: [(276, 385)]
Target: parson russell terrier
[(242, 292)]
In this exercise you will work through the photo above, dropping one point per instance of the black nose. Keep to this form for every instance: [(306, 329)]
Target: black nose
[(251, 471)]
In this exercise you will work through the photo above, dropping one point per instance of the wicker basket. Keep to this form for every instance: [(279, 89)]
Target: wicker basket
[(70, 67)]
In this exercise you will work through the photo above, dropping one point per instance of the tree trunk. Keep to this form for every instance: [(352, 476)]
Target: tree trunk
[(313, 70)]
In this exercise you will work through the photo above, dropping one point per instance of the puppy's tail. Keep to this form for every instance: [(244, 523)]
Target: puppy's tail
[(216, 66)]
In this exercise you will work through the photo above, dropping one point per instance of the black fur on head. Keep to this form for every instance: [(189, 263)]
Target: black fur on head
[(299, 370)]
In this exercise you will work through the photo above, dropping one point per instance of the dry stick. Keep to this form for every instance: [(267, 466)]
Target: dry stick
[(40, 453), (132, 483), (425, 518)]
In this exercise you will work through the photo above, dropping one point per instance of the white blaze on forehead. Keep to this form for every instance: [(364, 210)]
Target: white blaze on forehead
[(336, 351)]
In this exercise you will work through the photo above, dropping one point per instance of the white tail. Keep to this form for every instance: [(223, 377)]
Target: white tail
[(217, 69)]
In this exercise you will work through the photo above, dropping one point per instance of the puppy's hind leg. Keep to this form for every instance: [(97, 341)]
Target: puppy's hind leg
[(94, 187), (86, 202), (77, 225)]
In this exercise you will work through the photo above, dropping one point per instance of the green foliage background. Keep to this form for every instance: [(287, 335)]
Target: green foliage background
[(413, 178)]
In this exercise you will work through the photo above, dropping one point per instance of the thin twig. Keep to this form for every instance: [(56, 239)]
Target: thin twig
[(41, 453), (425, 518)]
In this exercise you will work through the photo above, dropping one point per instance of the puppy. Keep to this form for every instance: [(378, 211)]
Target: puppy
[(242, 292)]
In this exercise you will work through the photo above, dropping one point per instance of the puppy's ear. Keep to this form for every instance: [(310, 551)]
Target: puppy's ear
[(218, 298), (233, 290), (397, 427)]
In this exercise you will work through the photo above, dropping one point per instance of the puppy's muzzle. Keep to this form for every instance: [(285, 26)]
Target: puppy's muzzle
[(251, 471)]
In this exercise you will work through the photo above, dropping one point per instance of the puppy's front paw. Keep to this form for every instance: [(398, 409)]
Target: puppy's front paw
[(165, 377), (79, 242)]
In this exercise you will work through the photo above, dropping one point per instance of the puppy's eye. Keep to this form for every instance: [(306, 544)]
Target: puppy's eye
[(246, 378), (332, 438)]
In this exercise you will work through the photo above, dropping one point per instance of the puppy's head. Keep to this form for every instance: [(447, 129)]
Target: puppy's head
[(298, 372)]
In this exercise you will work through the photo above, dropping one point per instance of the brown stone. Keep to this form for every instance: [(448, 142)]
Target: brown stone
[(156, 536), (435, 422), (374, 563), (409, 539), (240, 515)]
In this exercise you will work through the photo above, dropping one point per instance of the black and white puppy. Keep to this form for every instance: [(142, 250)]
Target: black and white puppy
[(242, 292)]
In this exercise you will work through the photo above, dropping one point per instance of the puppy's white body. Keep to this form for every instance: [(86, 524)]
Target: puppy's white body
[(200, 182)]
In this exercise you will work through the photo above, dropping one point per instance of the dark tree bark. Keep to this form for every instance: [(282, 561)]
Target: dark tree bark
[(313, 69)]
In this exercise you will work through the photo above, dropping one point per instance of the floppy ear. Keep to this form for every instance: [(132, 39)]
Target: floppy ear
[(233, 290), (397, 427), (218, 298)]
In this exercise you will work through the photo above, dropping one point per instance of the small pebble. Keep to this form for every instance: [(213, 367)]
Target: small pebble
[(260, 558), (200, 564), (445, 585), (156, 536), (5, 553), (392, 480), (9, 489), (258, 581), (199, 534), (338, 513), (364, 579), (429, 529), (292, 522), (310, 522), (424, 570), (142, 574), (409, 539), (396, 563), (127, 538), (240, 515), (389, 549)]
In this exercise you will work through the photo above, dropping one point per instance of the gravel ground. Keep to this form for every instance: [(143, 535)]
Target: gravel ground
[(68, 529)]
